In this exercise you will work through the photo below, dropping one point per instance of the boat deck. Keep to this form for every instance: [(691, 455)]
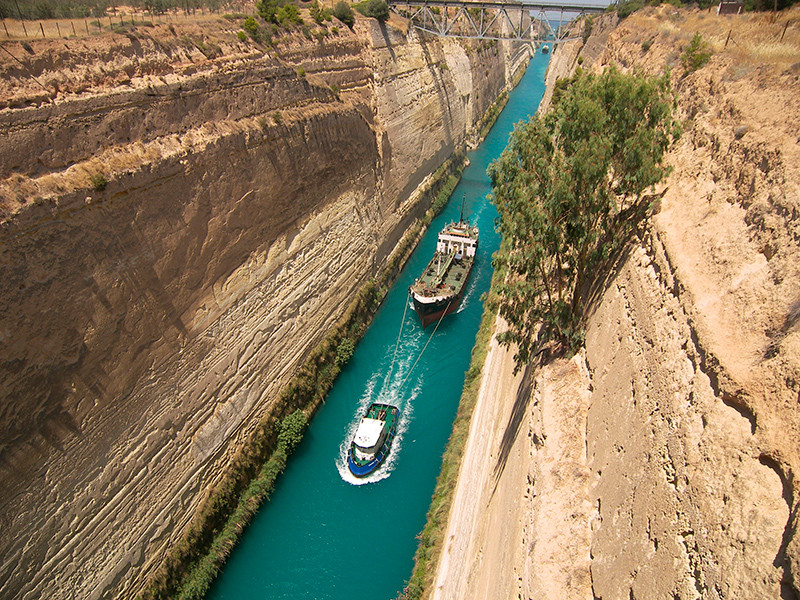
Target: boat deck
[(452, 273), (383, 412)]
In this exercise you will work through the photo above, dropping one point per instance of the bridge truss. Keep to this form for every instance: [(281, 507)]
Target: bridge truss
[(527, 21)]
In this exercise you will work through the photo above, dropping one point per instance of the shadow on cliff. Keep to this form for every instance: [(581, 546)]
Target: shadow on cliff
[(515, 421), (441, 92), (385, 34)]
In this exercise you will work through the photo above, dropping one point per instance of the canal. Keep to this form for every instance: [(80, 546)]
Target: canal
[(326, 535)]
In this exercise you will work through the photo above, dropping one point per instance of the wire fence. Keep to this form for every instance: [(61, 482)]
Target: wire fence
[(13, 29)]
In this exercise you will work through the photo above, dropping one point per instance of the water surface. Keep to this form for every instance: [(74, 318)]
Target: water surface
[(325, 534)]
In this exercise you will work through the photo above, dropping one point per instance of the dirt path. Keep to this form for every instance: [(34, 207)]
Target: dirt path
[(465, 560)]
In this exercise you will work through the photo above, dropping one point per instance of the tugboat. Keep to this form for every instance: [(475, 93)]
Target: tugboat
[(437, 292), (373, 438)]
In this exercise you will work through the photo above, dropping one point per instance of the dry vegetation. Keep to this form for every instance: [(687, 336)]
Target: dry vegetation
[(752, 39)]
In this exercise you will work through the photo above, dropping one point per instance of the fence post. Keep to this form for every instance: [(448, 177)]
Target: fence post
[(42, 28), (6, 28), (58, 28), (73, 28), (86, 22), (784, 29)]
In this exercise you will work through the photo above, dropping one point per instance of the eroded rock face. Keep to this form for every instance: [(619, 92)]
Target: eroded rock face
[(662, 463), (149, 319)]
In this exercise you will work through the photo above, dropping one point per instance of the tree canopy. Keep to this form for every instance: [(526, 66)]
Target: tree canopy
[(570, 188)]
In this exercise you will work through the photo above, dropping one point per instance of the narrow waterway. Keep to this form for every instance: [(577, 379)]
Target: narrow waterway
[(326, 535)]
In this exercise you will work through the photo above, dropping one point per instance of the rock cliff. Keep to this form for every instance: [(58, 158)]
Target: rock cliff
[(183, 216), (661, 463)]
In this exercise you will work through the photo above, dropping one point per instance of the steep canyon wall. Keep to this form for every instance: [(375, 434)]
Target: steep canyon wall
[(183, 216), (661, 462)]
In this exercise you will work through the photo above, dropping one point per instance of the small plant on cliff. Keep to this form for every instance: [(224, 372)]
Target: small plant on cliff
[(319, 14), (268, 9), (344, 13), (628, 7), (696, 55), (571, 190), (288, 15), (250, 25), (587, 28), (98, 181)]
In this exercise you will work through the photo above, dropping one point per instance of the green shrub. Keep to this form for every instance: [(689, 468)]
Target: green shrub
[(344, 352), (628, 7), (268, 9), (376, 9), (277, 117), (646, 45), (696, 55), (587, 28), (98, 181), (301, 72), (291, 432), (319, 14), (251, 27), (241, 35), (288, 15), (344, 13)]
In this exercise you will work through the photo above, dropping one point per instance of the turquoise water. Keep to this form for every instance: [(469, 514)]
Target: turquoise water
[(325, 534)]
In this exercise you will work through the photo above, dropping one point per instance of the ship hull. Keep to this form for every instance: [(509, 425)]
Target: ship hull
[(431, 313), (362, 468)]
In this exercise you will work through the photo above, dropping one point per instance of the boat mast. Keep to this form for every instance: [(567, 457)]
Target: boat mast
[(461, 217)]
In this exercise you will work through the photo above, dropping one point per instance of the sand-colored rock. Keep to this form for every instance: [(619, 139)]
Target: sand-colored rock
[(665, 467), (147, 326)]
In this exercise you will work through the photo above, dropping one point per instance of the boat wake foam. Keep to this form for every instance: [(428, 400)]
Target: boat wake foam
[(389, 394)]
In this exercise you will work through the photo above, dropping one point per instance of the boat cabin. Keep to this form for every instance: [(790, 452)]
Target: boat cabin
[(369, 438), (459, 239)]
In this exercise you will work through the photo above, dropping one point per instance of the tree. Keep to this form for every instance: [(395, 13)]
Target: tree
[(377, 9), (570, 189), (268, 9), (344, 13)]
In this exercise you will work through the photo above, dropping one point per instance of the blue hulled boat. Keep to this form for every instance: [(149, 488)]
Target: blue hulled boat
[(373, 438)]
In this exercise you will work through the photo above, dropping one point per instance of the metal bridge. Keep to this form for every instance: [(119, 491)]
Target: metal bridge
[(526, 21)]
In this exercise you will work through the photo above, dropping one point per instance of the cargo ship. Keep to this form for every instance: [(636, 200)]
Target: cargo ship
[(373, 439), (438, 291)]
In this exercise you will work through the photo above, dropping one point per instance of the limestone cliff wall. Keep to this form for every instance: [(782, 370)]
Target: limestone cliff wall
[(150, 316)]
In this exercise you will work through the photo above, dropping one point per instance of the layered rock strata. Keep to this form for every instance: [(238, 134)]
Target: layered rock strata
[(183, 216), (661, 464)]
